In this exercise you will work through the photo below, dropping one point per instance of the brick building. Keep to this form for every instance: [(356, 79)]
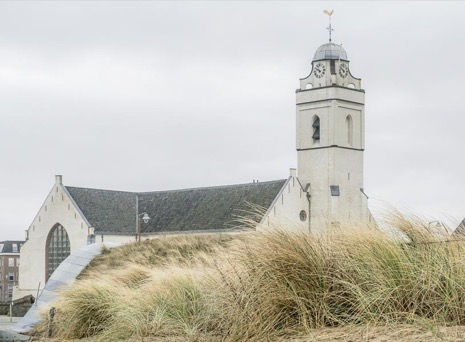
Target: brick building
[(9, 268)]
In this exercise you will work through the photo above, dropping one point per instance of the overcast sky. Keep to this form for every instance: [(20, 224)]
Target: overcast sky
[(145, 96)]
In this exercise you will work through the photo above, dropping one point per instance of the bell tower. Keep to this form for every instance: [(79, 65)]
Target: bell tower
[(330, 109)]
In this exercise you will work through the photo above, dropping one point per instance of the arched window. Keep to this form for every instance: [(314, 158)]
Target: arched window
[(58, 249), (316, 129), (349, 130)]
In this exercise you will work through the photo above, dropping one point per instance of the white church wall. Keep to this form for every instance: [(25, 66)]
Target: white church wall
[(305, 119), (341, 131), (113, 238), (332, 164), (333, 129), (323, 94), (285, 211), (57, 208), (327, 167), (330, 79)]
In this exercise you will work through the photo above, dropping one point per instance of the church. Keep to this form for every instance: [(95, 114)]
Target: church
[(325, 191)]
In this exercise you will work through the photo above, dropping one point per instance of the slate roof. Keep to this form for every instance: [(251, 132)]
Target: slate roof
[(209, 208), (7, 246), (106, 210)]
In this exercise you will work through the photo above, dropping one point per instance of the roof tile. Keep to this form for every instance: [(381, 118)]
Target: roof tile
[(210, 208)]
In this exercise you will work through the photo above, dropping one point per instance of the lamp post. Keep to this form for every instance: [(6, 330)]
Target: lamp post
[(146, 219)]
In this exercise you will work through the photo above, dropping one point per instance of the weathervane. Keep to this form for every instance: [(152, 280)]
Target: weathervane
[(330, 29)]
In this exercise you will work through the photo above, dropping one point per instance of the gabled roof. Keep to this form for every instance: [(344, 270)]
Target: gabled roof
[(210, 208), (106, 210), (7, 247)]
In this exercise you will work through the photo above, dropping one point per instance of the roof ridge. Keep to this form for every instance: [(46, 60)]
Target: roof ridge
[(182, 189), (212, 187), (80, 187)]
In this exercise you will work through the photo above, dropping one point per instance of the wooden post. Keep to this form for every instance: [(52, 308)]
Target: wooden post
[(51, 314)]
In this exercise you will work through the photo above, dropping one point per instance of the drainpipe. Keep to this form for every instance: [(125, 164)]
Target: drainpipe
[(309, 198)]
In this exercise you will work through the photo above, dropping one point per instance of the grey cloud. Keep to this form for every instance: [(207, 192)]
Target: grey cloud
[(158, 95)]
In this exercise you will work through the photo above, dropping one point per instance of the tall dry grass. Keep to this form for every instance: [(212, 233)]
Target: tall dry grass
[(262, 286)]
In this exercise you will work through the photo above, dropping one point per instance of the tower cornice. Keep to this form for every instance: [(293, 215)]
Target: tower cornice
[(330, 146), (330, 86)]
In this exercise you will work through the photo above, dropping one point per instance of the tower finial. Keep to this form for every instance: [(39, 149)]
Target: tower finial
[(330, 29)]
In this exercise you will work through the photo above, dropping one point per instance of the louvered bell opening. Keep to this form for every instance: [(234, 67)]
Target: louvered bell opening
[(316, 129), (316, 134)]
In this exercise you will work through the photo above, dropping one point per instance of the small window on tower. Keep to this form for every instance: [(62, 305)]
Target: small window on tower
[(335, 190), (332, 65), (350, 130), (316, 129)]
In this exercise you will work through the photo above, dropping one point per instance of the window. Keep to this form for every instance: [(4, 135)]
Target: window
[(11, 276), (332, 65), (316, 129), (15, 248), (58, 248), (335, 190), (350, 130), (11, 262)]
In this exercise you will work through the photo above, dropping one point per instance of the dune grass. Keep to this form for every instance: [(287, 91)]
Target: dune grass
[(261, 286)]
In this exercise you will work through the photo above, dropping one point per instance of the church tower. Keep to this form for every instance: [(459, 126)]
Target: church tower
[(330, 106)]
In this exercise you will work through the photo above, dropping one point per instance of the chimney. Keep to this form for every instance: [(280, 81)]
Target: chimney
[(292, 172), (59, 179)]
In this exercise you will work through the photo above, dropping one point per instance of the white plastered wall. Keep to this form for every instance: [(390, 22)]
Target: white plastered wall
[(113, 238), (57, 208), (284, 212), (334, 159), (328, 79)]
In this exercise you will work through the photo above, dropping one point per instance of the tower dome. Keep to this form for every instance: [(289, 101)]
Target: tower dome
[(330, 51)]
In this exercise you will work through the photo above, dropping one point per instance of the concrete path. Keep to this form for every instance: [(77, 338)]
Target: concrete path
[(6, 335), (5, 323), (63, 276)]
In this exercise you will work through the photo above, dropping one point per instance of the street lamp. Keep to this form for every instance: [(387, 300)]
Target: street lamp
[(146, 219)]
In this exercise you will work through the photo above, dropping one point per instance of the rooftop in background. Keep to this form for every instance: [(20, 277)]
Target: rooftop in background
[(330, 51), (10, 247)]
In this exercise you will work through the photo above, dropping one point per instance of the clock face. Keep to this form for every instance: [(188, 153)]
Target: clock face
[(343, 70), (319, 70)]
